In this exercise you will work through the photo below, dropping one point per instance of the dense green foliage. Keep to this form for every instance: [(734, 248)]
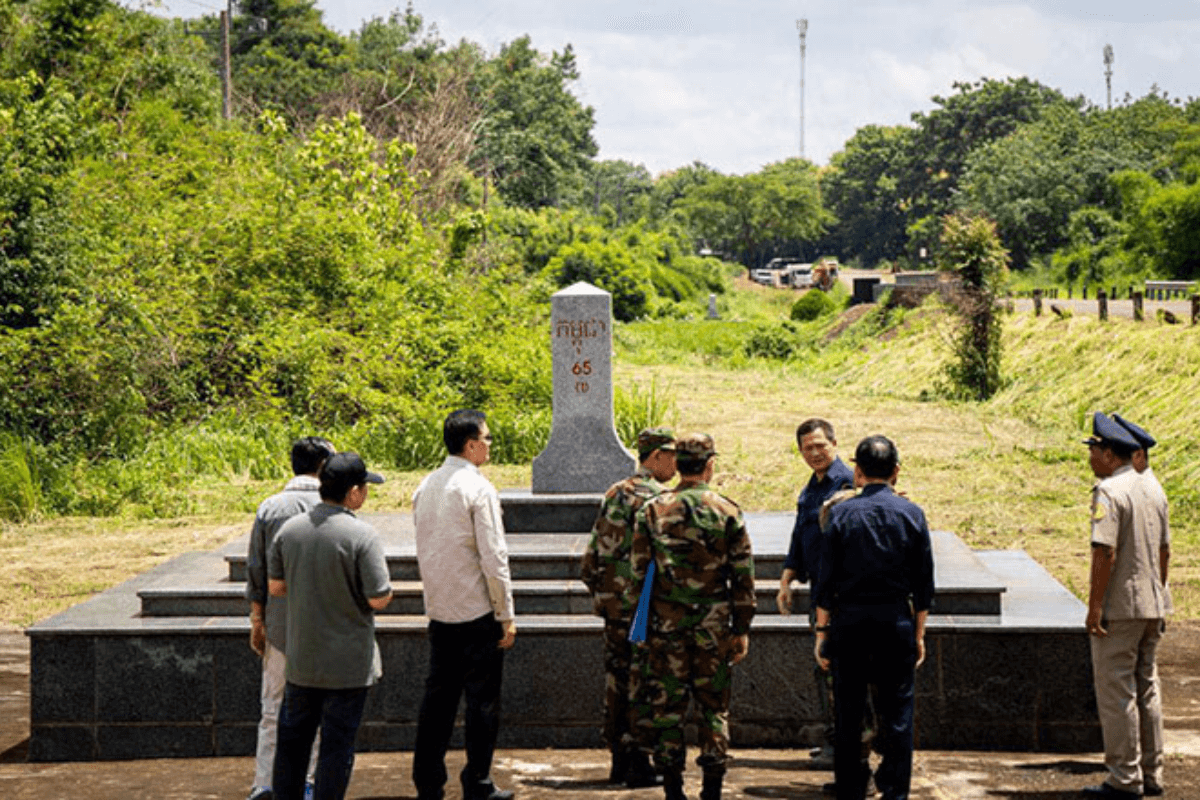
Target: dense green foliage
[(1081, 194), (181, 295)]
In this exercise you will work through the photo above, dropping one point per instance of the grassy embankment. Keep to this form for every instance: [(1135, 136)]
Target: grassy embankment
[(1009, 473)]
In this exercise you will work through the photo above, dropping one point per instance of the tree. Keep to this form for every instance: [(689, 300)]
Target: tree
[(862, 190), (970, 247), (1034, 180), (980, 112), (535, 139), (38, 137), (617, 189), (778, 207), (284, 58)]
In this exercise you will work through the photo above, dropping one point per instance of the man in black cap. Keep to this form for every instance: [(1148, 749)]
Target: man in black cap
[(874, 588), (1128, 602), (331, 568), (606, 572), (1141, 457)]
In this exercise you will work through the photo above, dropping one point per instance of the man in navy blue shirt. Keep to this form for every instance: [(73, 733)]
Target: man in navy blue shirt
[(818, 446), (874, 587)]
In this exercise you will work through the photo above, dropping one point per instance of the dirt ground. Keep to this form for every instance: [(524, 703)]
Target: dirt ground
[(580, 774)]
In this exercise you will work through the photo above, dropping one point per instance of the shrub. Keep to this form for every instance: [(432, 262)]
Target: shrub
[(777, 342), (812, 304)]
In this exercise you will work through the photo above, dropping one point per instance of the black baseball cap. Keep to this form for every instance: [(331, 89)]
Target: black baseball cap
[(347, 469)]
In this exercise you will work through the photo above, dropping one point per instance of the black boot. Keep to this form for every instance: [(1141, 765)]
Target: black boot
[(673, 785), (641, 773), (712, 786), (620, 765)]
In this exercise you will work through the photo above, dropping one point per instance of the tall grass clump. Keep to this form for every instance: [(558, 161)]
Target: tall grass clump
[(641, 407), (19, 495)]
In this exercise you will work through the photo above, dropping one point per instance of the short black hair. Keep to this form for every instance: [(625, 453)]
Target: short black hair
[(309, 453), (877, 457), (1121, 451), (691, 466), (813, 424), (460, 427)]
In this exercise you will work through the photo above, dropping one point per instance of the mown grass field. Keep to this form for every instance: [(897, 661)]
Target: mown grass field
[(1009, 473)]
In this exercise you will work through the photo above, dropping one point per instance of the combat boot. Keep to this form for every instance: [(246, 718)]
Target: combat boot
[(712, 786), (620, 765), (641, 772), (673, 785)]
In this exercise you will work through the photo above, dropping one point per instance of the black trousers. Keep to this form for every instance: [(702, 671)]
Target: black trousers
[(873, 645), (464, 659)]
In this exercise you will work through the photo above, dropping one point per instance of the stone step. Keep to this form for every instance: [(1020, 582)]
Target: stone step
[(542, 556), (531, 597)]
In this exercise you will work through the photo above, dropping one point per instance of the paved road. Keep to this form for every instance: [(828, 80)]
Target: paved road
[(1182, 309)]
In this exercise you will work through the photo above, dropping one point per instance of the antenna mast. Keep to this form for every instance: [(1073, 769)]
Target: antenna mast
[(802, 28), (1108, 62)]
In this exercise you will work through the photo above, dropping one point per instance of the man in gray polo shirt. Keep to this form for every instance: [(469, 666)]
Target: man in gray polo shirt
[(331, 568), (268, 620)]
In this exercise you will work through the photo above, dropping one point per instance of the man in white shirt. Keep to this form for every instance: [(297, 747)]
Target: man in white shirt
[(463, 559)]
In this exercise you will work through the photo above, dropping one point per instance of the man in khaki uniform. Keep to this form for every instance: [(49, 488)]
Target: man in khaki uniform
[(1128, 601)]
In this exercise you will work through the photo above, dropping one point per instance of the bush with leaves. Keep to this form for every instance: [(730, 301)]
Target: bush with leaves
[(813, 304), (970, 247)]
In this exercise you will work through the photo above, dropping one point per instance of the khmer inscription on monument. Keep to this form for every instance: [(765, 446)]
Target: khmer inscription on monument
[(584, 453)]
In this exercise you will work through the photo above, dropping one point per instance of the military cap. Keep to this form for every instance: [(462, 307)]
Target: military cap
[(1144, 439), (1107, 432), (695, 447), (651, 439)]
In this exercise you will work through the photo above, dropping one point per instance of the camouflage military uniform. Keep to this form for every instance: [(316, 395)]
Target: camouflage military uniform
[(607, 573), (703, 598)]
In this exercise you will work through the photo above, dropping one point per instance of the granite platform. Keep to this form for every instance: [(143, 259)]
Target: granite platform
[(160, 666)]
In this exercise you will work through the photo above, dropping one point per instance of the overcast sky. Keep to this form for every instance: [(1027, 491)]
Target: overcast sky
[(718, 81)]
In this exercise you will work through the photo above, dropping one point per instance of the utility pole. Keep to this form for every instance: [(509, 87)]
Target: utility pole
[(1108, 62), (226, 76), (802, 27)]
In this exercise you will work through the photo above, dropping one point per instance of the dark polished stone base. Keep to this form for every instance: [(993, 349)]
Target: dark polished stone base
[(1008, 666)]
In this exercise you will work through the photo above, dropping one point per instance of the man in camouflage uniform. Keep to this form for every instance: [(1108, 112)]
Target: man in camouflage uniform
[(607, 574), (701, 605)]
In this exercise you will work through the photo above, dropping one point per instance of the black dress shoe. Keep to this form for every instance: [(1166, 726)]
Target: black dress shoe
[(1150, 790), (1109, 791)]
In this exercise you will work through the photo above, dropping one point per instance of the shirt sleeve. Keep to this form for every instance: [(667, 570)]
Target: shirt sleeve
[(275, 569), (373, 569), (795, 555), (741, 560), (1105, 525), (640, 554), (1165, 515), (822, 585), (923, 588), (493, 552), (256, 564)]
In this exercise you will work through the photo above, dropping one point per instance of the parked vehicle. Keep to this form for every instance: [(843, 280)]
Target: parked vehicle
[(800, 276)]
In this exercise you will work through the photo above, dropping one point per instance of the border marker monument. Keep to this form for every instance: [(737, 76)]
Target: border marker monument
[(584, 453)]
